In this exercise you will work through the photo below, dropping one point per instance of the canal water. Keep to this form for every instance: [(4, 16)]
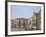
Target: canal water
[(17, 29)]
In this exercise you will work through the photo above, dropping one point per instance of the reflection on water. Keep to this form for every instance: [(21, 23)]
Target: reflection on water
[(18, 29)]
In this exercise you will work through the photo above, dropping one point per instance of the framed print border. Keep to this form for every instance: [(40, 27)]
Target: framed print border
[(6, 18)]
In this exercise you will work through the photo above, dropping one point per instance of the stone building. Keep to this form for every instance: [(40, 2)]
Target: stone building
[(21, 23), (12, 23), (36, 21)]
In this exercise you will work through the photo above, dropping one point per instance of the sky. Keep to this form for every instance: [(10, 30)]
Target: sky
[(18, 11)]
